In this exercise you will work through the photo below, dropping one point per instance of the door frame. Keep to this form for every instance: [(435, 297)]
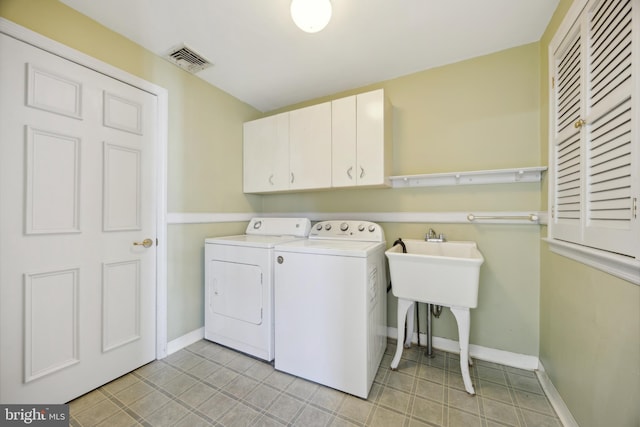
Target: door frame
[(35, 39)]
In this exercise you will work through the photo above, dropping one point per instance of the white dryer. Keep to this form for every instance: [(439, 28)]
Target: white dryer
[(331, 305), (239, 284)]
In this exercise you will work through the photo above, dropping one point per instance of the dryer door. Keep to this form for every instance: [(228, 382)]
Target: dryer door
[(236, 291)]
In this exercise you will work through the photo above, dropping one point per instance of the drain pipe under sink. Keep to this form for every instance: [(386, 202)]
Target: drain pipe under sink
[(434, 310), (429, 352)]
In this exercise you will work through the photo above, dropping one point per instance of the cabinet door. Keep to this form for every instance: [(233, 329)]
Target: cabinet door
[(310, 147), (266, 154), (373, 139), (595, 175), (343, 142)]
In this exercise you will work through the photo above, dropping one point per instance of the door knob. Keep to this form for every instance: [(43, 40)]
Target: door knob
[(146, 243)]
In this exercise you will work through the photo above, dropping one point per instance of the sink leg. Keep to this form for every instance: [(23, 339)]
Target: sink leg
[(404, 306), (463, 318), (410, 316)]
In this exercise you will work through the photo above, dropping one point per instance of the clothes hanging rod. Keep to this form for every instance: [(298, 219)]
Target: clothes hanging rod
[(530, 217)]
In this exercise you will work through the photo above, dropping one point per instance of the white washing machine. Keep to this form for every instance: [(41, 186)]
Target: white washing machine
[(239, 284), (331, 305)]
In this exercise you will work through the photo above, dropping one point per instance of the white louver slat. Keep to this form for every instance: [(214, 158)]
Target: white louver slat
[(610, 38), (568, 149), (569, 182), (569, 90), (610, 153), (595, 141), (609, 192)]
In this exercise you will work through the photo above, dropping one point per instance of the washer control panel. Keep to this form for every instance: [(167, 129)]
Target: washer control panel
[(347, 230)]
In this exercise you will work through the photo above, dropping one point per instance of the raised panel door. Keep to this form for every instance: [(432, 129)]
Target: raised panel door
[(77, 189)]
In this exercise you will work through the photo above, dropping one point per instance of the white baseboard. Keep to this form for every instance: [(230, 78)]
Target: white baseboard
[(502, 357), (185, 340), (555, 399)]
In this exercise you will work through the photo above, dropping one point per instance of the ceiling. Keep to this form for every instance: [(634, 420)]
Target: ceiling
[(263, 59)]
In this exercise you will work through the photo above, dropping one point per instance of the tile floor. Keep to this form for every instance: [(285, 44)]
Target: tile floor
[(207, 384)]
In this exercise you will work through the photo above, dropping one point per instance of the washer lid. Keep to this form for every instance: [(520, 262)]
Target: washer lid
[(349, 248), (250, 240)]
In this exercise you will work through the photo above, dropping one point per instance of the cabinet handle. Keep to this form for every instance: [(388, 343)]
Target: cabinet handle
[(271, 179), (293, 178), (578, 124), (349, 172), (361, 171)]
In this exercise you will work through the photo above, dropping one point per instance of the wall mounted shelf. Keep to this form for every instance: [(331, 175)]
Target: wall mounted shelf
[(496, 176)]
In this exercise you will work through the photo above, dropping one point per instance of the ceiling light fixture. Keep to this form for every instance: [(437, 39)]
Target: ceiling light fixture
[(311, 15)]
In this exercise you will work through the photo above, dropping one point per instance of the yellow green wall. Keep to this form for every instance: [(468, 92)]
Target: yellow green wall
[(204, 144), (590, 341), (589, 320), (186, 273), (476, 114), (485, 113), (205, 140)]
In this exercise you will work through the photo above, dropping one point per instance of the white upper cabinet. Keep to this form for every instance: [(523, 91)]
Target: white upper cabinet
[(266, 154), (361, 140), (343, 143), (310, 147)]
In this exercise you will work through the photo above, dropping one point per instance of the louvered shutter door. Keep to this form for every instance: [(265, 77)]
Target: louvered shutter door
[(611, 175), (568, 95)]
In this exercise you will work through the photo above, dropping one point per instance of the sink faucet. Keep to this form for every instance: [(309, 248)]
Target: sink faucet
[(432, 236)]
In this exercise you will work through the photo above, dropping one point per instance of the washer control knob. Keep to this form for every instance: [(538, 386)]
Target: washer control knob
[(372, 228), (361, 227), (344, 226), (327, 227), (319, 227), (257, 224)]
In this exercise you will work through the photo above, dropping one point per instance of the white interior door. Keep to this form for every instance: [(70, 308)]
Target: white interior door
[(77, 190)]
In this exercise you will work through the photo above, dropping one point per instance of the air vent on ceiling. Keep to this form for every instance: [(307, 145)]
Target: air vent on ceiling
[(187, 59)]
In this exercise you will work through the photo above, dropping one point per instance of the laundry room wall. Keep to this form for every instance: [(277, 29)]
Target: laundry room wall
[(589, 320), (476, 114), (204, 145)]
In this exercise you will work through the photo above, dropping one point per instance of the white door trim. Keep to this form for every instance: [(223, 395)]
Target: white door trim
[(25, 35)]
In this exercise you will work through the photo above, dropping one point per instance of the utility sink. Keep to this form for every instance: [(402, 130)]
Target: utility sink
[(441, 273)]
